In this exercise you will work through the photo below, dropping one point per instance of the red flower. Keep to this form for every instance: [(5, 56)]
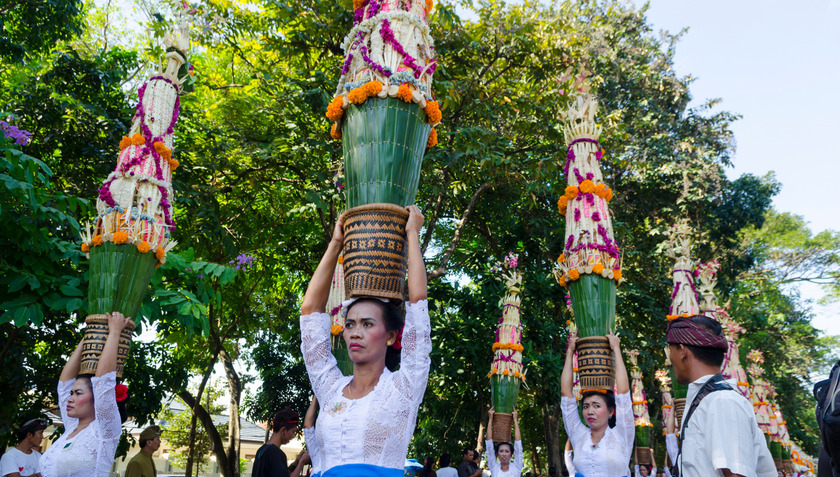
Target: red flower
[(122, 392)]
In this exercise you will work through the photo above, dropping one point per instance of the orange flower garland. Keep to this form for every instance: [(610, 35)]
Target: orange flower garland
[(97, 240), (433, 112), (125, 142), (372, 88), (173, 164), (587, 186), (336, 330), (120, 238), (404, 93), (160, 254), (143, 247), (674, 317), (515, 347), (598, 268), (335, 110), (357, 96), (85, 248), (573, 274), (137, 140), (432, 138), (335, 133)]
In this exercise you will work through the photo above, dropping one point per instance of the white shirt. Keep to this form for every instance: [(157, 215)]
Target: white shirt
[(722, 434), (16, 461), (672, 446), (611, 456), (567, 458), (313, 446), (90, 453), (652, 472), (377, 428), (515, 466), (447, 472)]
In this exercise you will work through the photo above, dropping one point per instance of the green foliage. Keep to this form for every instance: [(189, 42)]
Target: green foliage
[(177, 433), (37, 25)]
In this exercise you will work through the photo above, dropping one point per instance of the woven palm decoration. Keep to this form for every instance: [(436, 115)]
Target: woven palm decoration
[(664, 378), (335, 308), (506, 371), (641, 416), (384, 114), (590, 265), (760, 392), (131, 235)]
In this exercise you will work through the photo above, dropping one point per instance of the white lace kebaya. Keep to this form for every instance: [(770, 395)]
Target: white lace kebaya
[(611, 456), (90, 453), (377, 428)]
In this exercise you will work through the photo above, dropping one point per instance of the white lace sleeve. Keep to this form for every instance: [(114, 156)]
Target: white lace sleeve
[(492, 463), (671, 446), (315, 345), (518, 461), (571, 422), (107, 420), (64, 388), (413, 374), (624, 418), (313, 447)]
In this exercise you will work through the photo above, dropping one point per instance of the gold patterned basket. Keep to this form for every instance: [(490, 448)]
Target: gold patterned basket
[(502, 423), (93, 342), (679, 408), (375, 255), (595, 364)]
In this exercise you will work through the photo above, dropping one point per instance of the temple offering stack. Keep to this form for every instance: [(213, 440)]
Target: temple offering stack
[(506, 371), (784, 437), (684, 298), (131, 235), (590, 265), (641, 416), (760, 394), (384, 114), (335, 307), (732, 369), (664, 378)]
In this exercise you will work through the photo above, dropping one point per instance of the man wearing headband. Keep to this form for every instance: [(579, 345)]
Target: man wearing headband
[(271, 460), (143, 464), (21, 460), (719, 434)]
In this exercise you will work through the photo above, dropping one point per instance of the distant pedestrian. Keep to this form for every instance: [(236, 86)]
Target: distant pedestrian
[(504, 459), (21, 460), (827, 394), (468, 466), (444, 469), (142, 464), (271, 461), (427, 470)]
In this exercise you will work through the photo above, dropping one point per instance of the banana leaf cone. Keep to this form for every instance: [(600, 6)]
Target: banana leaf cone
[(593, 302), (642, 436), (119, 279), (776, 449), (680, 391), (383, 141), (505, 391), (342, 356)]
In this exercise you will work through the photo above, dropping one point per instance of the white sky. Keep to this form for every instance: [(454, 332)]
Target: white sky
[(777, 64)]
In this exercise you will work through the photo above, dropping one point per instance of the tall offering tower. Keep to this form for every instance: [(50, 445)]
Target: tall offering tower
[(590, 265), (683, 298), (384, 114), (506, 371), (131, 236), (641, 415)]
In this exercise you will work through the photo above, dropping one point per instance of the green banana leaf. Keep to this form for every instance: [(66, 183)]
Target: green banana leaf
[(593, 301), (119, 278), (505, 391)]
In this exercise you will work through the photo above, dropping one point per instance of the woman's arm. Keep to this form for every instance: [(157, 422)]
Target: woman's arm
[(108, 359), (72, 366), (567, 377), (416, 267), (622, 383), (490, 415), (315, 299), (518, 460), (516, 435), (311, 413)]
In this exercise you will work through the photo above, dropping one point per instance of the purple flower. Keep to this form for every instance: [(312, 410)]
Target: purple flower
[(577, 215), (596, 216), (19, 136)]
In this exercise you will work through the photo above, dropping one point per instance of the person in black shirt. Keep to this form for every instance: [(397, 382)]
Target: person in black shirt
[(271, 461), (468, 467)]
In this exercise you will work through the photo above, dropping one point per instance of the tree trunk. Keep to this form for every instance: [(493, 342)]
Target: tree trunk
[(218, 447), (191, 448), (234, 425), (535, 458), (554, 443)]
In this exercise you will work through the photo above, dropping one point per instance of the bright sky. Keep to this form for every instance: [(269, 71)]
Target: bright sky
[(777, 64)]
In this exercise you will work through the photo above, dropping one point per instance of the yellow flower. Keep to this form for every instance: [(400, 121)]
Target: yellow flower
[(97, 241), (571, 192), (357, 96), (125, 142), (598, 268), (335, 109), (433, 112), (587, 186), (120, 237), (137, 140), (573, 274), (617, 274), (432, 138), (85, 247), (334, 133), (372, 88), (143, 247), (160, 254), (404, 93)]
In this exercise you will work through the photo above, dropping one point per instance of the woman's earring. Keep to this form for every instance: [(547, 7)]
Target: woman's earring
[(389, 343)]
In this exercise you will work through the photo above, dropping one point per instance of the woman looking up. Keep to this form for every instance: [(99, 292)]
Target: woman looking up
[(92, 419), (367, 419), (500, 464), (600, 449)]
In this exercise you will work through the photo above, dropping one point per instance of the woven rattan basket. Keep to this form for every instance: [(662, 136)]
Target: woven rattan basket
[(93, 342), (596, 365)]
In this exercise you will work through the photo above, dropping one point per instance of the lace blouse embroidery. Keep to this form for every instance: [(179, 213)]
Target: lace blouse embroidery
[(375, 429)]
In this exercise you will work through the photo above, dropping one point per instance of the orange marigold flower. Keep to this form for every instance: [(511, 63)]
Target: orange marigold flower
[(357, 4), (562, 203), (143, 247), (561, 258), (120, 237), (587, 186), (608, 194), (335, 109), (160, 254), (137, 140), (404, 93), (573, 274), (85, 247), (173, 164), (617, 274), (372, 88), (429, 5), (571, 192), (125, 142), (97, 241), (506, 372), (357, 96), (336, 330), (562, 281), (598, 268), (495, 370), (335, 133), (489, 375), (433, 113), (600, 190), (432, 138), (516, 374), (159, 146), (341, 259)]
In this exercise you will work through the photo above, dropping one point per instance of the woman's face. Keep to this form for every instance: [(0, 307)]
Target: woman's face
[(504, 454), (643, 471), (80, 404), (365, 333), (595, 412)]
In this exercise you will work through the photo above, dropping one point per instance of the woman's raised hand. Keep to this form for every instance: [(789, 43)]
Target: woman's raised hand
[(572, 344), (338, 231), (116, 322), (491, 412), (415, 220), (615, 344)]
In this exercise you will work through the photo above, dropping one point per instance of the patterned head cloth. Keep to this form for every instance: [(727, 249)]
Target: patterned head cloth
[(688, 332)]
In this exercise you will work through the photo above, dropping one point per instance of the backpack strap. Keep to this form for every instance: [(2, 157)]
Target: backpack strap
[(715, 383)]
